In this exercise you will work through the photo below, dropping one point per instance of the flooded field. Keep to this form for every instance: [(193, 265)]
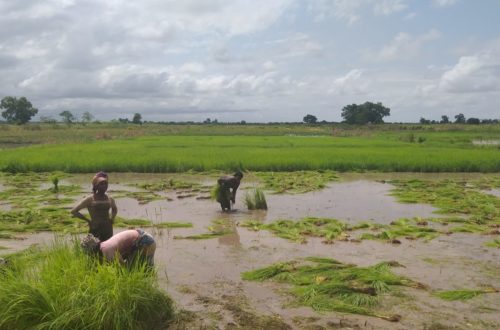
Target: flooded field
[(204, 276)]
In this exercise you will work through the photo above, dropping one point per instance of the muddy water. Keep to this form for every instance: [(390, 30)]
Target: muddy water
[(191, 271), (349, 201)]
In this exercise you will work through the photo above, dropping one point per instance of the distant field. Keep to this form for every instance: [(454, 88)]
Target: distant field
[(399, 150)]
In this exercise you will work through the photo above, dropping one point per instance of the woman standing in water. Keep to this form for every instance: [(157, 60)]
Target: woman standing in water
[(98, 204)]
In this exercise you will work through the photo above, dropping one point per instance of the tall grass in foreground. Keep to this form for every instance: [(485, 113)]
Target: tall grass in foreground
[(62, 288), (256, 200)]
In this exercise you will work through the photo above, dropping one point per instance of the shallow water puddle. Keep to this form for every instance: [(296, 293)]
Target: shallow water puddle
[(352, 202)]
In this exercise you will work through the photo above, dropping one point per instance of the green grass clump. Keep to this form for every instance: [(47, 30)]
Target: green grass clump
[(23, 190), (407, 228), (296, 182), (173, 225), (495, 243), (451, 197), (465, 294), (62, 288), (329, 285), (298, 231), (217, 229), (171, 184), (256, 200)]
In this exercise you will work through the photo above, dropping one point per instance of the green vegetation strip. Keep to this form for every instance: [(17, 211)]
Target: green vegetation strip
[(463, 294), (495, 243), (217, 229), (380, 152), (296, 182), (472, 209), (329, 285), (451, 197), (61, 288), (333, 229)]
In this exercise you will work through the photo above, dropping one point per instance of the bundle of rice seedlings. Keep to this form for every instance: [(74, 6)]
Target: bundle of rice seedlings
[(329, 285), (256, 200)]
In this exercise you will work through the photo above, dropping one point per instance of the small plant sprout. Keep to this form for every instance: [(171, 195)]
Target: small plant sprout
[(55, 182)]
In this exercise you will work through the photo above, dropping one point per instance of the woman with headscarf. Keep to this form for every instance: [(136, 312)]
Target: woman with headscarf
[(98, 204)]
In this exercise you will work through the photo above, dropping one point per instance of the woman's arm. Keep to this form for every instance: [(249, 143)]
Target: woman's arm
[(114, 209), (83, 204)]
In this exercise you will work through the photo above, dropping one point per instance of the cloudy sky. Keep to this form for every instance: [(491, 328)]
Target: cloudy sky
[(253, 60)]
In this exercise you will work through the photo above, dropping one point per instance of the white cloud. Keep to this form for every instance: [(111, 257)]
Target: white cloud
[(345, 10), (405, 46), (477, 73), (351, 83), (387, 7), (444, 3)]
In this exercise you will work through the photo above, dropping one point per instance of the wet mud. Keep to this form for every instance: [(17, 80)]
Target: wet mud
[(204, 276)]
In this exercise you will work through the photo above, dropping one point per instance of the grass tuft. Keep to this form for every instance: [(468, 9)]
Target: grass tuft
[(464, 294), (256, 200), (62, 288)]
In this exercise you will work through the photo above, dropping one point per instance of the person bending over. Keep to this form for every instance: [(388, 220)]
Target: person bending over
[(227, 189), (129, 246)]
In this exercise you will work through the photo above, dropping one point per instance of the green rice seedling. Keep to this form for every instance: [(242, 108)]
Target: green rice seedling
[(142, 197), (171, 184), (173, 225), (215, 192), (380, 151), (62, 288), (122, 222), (298, 231), (470, 228), (217, 229), (495, 243), (256, 200), (407, 228), (36, 220), (464, 294), (329, 285), (296, 182), (55, 182), (451, 197)]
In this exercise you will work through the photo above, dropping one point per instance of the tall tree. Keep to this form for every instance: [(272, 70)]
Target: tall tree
[(365, 113), (87, 117), (18, 111), (460, 119), (310, 119), (137, 119), (444, 120), (67, 117)]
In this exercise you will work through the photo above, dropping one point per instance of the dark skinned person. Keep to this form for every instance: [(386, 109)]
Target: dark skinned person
[(128, 247), (227, 189), (98, 205)]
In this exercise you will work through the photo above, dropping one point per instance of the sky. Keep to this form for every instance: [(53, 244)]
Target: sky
[(252, 60)]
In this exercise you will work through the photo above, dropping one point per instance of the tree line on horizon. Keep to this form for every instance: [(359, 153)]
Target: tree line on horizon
[(20, 111)]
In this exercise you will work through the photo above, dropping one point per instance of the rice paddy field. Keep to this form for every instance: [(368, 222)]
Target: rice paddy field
[(334, 227)]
